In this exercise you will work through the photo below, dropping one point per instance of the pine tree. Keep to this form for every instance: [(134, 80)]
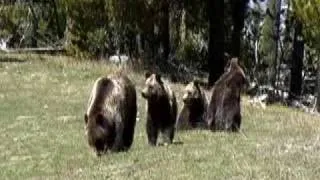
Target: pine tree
[(308, 13), (318, 87), (270, 38), (238, 15), (297, 63), (216, 40)]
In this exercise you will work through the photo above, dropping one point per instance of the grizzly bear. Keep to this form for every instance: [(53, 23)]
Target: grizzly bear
[(224, 111), (194, 108), (111, 115), (161, 109)]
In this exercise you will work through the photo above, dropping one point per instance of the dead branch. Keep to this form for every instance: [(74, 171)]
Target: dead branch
[(48, 50)]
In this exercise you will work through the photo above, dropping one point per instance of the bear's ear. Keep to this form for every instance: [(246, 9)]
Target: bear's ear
[(227, 66), (227, 55), (147, 74), (85, 118), (99, 119), (196, 82), (158, 78)]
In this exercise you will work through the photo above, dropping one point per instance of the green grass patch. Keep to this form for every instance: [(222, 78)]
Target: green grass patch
[(42, 102)]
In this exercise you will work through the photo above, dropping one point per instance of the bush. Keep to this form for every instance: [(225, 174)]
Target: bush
[(87, 27), (193, 53)]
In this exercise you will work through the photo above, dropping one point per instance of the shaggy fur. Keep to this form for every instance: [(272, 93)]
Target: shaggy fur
[(111, 115), (224, 111), (194, 108), (161, 109)]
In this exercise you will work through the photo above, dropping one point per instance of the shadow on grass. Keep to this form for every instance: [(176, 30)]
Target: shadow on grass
[(178, 143), (11, 60), (173, 143)]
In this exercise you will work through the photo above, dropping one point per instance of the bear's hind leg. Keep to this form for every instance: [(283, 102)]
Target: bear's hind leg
[(152, 133)]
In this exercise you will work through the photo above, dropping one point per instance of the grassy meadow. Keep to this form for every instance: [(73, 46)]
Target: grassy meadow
[(42, 103)]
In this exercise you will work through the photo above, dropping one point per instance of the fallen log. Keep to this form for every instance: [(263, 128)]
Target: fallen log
[(47, 50)]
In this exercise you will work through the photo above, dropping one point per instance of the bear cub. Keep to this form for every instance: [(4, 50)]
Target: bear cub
[(161, 109), (193, 112)]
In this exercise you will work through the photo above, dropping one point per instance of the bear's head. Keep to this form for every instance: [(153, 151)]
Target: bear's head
[(98, 129), (192, 92), (153, 86)]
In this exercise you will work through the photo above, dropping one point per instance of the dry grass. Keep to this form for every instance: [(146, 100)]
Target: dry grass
[(43, 99)]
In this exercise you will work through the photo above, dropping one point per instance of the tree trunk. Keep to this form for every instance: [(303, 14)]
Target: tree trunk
[(318, 89), (34, 27), (175, 26), (297, 63), (277, 38), (216, 40), (238, 11), (164, 29), (55, 10)]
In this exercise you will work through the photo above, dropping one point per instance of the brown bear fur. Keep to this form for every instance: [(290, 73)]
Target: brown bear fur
[(194, 108), (111, 115), (161, 109), (224, 111)]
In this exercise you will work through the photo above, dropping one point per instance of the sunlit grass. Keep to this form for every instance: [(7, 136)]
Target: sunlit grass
[(42, 101)]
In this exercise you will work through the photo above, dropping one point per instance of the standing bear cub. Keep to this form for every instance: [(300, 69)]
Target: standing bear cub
[(161, 109), (224, 112), (194, 108), (111, 115)]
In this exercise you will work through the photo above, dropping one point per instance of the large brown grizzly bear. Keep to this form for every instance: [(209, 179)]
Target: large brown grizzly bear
[(161, 109), (194, 108), (111, 115), (224, 111)]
